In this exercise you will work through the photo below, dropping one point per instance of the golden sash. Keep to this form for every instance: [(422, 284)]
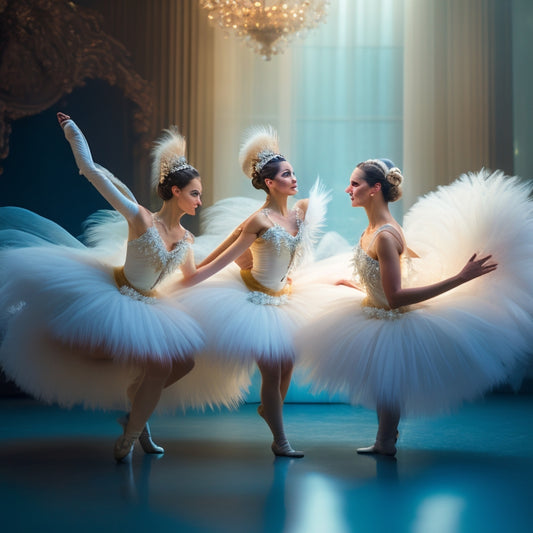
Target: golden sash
[(121, 280), (254, 285)]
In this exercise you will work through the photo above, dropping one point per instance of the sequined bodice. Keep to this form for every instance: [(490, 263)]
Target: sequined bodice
[(148, 261), (274, 254), (367, 273)]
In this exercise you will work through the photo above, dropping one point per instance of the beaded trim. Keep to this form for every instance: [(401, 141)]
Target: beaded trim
[(382, 314), (136, 295), (260, 298)]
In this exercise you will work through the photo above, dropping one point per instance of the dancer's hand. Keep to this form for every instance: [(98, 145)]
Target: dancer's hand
[(476, 267), (62, 118), (349, 283)]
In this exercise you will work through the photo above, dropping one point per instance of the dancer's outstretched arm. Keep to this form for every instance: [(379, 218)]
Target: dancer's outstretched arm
[(82, 154), (388, 253)]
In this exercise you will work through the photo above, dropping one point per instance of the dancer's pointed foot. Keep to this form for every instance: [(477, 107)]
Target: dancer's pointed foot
[(285, 450), (124, 447), (147, 444), (145, 438), (389, 450)]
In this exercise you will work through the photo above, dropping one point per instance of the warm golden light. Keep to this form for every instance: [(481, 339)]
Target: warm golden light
[(268, 25)]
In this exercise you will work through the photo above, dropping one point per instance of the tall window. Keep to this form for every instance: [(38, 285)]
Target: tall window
[(347, 99), (334, 96)]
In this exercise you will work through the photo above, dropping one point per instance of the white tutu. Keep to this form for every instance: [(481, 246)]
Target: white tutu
[(453, 347), (239, 328), (60, 303)]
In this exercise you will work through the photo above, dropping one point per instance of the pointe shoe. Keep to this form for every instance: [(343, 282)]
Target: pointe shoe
[(147, 444), (378, 449), (124, 446), (145, 438), (285, 450)]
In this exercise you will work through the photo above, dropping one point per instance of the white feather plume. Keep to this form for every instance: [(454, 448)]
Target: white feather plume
[(167, 149), (315, 221), (257, 139)]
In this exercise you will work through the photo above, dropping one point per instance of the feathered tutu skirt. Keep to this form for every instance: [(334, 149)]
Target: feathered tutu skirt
[(70, 336), (242, 326), (451, 348)]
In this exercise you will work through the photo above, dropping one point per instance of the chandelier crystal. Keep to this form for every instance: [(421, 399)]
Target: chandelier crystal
[(267, 26)]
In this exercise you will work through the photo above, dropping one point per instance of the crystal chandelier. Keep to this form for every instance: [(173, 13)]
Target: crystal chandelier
[(266, 25)]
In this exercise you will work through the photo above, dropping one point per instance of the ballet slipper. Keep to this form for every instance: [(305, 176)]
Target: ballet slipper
[(285, 450), (124, 446), (145, 438), (387, 447), (147, 444), (378, 449)]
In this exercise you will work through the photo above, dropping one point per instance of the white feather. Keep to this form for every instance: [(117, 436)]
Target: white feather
[(315, 219), (257, 139), (170, 145)]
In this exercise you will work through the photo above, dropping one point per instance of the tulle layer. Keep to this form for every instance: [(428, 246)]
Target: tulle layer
[(424, 361), (60, 307), (241, 326), (55, 373), (82, 307), (454, 347)]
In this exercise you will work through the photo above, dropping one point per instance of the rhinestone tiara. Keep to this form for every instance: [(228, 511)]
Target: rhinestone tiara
[(264, 157), (175, 165)]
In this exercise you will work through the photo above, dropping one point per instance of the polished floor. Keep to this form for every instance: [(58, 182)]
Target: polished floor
[(464, 473)]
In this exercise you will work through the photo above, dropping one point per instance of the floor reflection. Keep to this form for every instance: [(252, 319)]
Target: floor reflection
[(218, 474)]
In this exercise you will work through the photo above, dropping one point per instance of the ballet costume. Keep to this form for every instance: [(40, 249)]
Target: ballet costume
[(64, 303), (430, 357)]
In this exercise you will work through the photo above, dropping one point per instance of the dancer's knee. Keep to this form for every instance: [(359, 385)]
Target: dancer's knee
[(158, 369), (187, 364), (286, 367), (270, 372)]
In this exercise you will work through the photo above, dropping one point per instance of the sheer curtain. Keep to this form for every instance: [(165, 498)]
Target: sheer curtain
[(458, 91)]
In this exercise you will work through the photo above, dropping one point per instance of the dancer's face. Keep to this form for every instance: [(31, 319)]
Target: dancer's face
[(284, 181), (190, 197), (358, 189)]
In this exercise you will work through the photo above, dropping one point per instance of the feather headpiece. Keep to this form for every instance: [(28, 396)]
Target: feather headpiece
[(260, 145), (168, 154)]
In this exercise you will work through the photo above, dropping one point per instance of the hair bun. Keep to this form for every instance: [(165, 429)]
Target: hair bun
[(394, 176)]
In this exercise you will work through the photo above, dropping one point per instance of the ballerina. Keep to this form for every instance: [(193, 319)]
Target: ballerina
[(255, 311), (97, 325), (420, 335)]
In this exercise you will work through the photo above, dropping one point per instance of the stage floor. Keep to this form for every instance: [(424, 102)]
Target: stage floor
[(468, 472)]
